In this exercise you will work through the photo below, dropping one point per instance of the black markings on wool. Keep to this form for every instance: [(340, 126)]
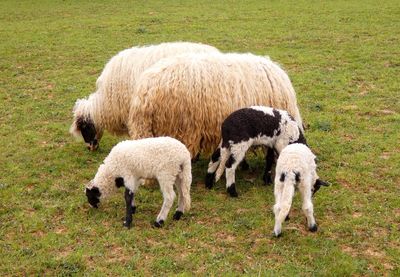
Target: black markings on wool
[(248, 123), (119, 182)]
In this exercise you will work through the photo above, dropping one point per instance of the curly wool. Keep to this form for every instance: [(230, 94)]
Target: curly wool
[(189, 96), (109, 106)]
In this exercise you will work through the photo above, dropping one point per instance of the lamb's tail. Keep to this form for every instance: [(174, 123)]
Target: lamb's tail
[(185, 183), (225, 153)]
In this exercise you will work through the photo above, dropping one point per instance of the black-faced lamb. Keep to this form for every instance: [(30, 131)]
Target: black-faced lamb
[(256, 125), (295, 168), (130, 162)]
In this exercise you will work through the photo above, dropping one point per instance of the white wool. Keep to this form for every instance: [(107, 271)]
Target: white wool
[(294, 159), (163, 158)]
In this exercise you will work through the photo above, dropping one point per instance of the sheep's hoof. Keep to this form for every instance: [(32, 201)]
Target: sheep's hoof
[(159, 224), (232, 190), (313, 228), (209, 181), (178, 215), (267, 179), (133, 209), (277, 235), (128, 224)]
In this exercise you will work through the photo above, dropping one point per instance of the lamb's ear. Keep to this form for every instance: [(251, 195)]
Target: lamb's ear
[(319, 182), (119, 182), (297, 176), (282, 179)]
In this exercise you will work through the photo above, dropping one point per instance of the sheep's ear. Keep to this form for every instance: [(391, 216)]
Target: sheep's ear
[(282, 179), (297, 176), (119, 182), (319, 182)]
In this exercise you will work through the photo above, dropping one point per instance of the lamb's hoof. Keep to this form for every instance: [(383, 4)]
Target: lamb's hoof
[(313, 228), (287, 218), (133, 209), (232, 190), (128, 224), (178, 215), (159, 224), (267, 179), (277, 235), (209, 181), (244, 165)]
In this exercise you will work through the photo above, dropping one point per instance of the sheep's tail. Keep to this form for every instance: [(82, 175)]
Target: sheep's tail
[(185, 183), (286, 197), (225, 153)]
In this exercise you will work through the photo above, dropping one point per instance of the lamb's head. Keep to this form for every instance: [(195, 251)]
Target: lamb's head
[(83, 124), (93, 194)]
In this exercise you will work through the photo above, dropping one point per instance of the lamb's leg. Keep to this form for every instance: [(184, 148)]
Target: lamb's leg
[(181, 202), (130, 208), (308, 209), (238, 151), (269, 160), (167, 189), (244, 165), (212, 168)]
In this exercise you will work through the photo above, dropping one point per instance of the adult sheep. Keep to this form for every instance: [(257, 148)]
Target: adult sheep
[(108, 107), (188, 96)]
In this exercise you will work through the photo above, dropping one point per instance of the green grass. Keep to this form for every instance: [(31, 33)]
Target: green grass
[(344, 60)]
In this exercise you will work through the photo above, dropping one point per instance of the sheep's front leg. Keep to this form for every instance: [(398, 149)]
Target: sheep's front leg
[(212, 168), (269, 160), (130, 208), (168, 193), (308, 209)]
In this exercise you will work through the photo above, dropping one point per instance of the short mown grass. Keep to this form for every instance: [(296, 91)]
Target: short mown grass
[(344, 61)]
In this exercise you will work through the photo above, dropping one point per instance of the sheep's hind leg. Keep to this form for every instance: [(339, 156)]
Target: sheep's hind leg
[(269, 160), (238, 151), (130, 209), (168, 193), (308, 209), (212, 168)]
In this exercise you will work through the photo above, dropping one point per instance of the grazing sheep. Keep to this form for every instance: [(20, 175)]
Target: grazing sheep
[(108, 107), (188, 96), (131, 161), (295, 168), (257, 125)]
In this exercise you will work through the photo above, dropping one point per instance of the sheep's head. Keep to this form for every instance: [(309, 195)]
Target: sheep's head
[(84, 126), (93, 194)]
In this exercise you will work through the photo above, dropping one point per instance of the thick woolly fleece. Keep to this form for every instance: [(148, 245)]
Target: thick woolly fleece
[(295, 168), (257, 125), (130, 162), (188, 96), (108, 107)]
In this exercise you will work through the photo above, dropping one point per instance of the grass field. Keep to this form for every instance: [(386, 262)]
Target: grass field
[(344, 61)]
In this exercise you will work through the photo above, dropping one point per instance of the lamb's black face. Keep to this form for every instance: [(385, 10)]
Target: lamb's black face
[(88, 131), (93, 196)]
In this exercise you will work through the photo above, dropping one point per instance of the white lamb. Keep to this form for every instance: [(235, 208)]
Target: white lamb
[(295, 168), (130, 162)]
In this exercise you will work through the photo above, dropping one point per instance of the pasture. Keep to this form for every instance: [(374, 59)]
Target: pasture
[(343, 58)]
